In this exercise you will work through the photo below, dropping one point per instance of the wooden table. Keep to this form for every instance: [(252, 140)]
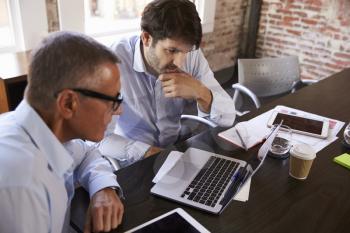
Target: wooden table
[(277, 202)]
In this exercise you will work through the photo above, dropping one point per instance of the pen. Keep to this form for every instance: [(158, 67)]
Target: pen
[(230, 191), (237, 180), (241, 139)]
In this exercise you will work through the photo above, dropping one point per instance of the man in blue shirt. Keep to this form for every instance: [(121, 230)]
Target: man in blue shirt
[(161, 71), (73, 91)]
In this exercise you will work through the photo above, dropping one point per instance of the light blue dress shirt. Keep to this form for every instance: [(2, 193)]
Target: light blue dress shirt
[(149, 118), (38, 174)]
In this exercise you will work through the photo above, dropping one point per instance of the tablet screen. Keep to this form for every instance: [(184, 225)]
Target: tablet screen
[(300, 123), (171, 223)]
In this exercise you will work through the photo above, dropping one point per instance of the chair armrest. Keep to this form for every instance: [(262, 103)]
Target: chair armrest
[(113, 162), (309, 81), (239, 113), (301, 83), (199, 119), (240, 88)]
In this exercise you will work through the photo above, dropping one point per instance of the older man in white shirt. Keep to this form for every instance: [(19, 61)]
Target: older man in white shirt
[(73, 91)]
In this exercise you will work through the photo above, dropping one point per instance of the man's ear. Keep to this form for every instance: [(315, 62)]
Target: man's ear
[(67, 103), (146, 38)]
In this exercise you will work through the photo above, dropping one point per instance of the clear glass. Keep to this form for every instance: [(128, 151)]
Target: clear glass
[(283, 141), (347, 135)]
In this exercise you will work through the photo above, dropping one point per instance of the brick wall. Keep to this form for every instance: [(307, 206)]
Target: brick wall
[(318, 31), (220, 47)]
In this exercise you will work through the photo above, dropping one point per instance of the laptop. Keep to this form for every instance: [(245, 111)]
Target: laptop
[(209, 181)]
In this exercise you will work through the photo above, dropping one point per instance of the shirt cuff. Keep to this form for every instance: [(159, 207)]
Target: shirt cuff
[(119, 191), (123, 149), (222, 110), (102, 182), (136, 150)]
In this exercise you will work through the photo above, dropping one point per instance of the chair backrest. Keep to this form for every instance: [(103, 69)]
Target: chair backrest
[(269, 76)]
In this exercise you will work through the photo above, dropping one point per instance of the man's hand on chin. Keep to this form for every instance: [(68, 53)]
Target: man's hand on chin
[(185, 86), (105, 211)]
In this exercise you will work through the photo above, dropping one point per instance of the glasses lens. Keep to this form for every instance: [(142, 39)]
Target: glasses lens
[(117, 103)]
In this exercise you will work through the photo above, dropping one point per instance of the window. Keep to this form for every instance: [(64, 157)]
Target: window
[(20, 29), (7, 34), (206, 10), (102, 16), (106, 20)]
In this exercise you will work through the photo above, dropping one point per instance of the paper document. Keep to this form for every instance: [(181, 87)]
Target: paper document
[(243, 194), (170, 162)]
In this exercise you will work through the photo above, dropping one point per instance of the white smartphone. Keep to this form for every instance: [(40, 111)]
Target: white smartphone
[(176, 220), (303, 125)]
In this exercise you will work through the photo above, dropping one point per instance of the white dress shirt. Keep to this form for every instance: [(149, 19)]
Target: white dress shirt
[(38, 174), (149, 118)]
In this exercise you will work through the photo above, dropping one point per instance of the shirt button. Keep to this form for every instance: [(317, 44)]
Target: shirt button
[(49, 167)]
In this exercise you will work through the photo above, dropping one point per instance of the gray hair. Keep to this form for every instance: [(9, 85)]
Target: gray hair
[(63, 60)]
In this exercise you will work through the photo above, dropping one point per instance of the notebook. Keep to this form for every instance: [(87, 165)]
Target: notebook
[(244, 135), (209, 181), (343, 160)]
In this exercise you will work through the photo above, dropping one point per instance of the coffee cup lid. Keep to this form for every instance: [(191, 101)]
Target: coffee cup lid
[(303, 151)]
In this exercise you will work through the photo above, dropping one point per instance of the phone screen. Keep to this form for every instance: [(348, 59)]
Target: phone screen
[(300, 123)]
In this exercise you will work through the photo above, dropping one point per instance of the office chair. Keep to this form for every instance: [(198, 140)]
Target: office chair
[(192, 125), (264, 79), (199, 119)]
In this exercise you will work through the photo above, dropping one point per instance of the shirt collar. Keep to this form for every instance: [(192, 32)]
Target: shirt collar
[(139, 64), (57, 156)]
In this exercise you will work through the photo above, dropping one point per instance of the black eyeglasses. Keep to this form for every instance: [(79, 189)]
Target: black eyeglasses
[(117, 100)]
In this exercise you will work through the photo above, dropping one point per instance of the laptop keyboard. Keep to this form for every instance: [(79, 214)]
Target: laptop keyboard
[(207, 187)]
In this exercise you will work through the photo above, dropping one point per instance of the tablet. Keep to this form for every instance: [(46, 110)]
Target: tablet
[(175, 221), (303, 125)]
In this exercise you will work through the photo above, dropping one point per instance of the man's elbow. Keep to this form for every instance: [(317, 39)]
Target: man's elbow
[(226, 119)]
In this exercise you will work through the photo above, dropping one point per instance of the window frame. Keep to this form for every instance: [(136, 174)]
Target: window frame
[(13, 14), (22, 19)]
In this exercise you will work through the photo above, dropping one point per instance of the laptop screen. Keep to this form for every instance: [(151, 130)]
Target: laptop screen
[(251, 167)]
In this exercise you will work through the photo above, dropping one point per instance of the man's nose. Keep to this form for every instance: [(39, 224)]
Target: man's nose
[(178, 59), (118, 111)]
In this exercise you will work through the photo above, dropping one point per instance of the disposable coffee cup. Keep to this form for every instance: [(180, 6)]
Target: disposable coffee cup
[(300, 162)]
